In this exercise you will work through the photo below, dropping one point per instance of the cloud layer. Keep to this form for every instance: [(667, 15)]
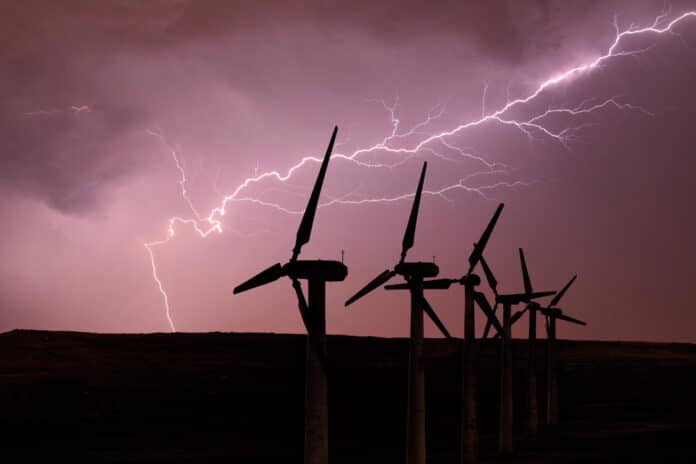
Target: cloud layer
[(241, 87)]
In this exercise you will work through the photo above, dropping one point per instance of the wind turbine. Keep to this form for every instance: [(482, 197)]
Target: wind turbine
[(469, 428), (532, 409), (507, 301), (551, 313), (413, 273), (313, 313)]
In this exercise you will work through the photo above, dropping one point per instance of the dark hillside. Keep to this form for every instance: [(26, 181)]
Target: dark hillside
[(239, 398)]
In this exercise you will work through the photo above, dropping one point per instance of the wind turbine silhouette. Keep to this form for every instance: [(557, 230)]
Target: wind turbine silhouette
[(507, 301), (313, 313), (551, 313), (413, 273), (469, 427)]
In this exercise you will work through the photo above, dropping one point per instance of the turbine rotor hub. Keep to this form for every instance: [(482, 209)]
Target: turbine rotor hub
[(470, 280)]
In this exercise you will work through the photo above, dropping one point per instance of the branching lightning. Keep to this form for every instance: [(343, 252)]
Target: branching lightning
[(533, 127)]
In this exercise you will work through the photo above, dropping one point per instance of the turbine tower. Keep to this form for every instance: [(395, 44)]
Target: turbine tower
[(413, 273), (469, 427), (532, 307), (313, 312)]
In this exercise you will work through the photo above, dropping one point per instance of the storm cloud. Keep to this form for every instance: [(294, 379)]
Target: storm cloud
[(98, 96)]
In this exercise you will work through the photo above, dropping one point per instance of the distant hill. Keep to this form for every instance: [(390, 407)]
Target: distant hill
[(230, 397)]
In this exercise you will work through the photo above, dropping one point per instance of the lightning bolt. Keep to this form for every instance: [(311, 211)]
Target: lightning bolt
[(52, 111), (533, 127)]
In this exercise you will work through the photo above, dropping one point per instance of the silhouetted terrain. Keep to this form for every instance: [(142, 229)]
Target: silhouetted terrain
[(239, 398)]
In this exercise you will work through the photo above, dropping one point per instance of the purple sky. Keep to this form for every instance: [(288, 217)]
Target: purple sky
[(99, 97)]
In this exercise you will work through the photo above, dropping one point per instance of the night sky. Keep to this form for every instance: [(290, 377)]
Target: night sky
[(106, 105)]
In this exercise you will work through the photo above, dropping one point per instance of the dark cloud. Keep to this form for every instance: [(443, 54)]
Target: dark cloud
[(135, 64), (66, 156), (504, 28), (117, 58), (245, 85)]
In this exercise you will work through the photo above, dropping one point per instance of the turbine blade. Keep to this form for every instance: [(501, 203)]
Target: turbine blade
[(264, 277), (518, 315), (535, 295), (525, 273), (560, 294), (492, 282), (302, 305), (397, 287), (438, 284), (570, 319), (425, 306), (477, 253), (373, 284), (487, 329), (516, 298), (410, 234), (482, 303), (305, 229)]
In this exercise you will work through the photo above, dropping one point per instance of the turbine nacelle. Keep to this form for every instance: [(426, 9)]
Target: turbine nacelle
[(551, 312), (417, 269), (330, 271), (472, 280)]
